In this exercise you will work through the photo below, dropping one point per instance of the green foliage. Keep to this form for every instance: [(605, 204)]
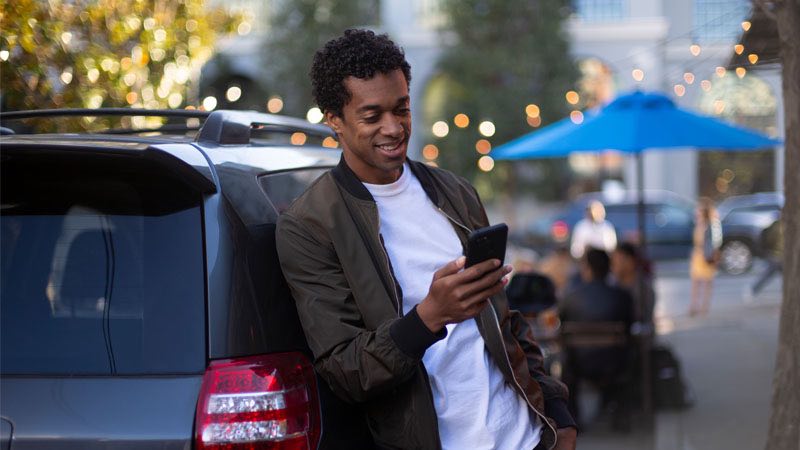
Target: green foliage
[(104, 53), (298, 29), (510, 53)]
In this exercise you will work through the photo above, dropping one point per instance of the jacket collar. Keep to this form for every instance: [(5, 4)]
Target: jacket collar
[(350, 182)]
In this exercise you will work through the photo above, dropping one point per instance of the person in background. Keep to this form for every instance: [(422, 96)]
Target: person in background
[(593, 231), (630, 274), (707, 240), (596, 301), (772, 243), (559, 267)]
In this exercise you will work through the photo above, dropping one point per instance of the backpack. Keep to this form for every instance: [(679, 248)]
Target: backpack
[(670, 391)]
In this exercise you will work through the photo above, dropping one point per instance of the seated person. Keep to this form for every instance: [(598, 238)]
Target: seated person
[(628, 269), (593, 301)]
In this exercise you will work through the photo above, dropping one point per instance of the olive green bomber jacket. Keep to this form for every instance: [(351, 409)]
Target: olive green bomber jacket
[(350, 306)]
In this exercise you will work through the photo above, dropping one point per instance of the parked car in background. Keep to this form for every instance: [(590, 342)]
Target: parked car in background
[(669, 219), (142, 302), (744, 218)]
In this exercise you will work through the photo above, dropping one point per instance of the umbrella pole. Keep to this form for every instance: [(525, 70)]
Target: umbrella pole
[(646, 330)]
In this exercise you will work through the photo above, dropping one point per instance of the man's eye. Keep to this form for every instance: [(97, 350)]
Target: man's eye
[(371, 119), (403, 111)]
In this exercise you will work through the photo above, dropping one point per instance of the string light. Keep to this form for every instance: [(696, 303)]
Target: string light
[(440, 129), (298, 138), (572, 97), (532, 110), (688, 77), (534, 121), (637, 74), (679, 90), (720, 71), (753, 58), (486, 128), (694, 49), (430, 152), (738, 48), (746, 25), (740, 72), (576, 117), (275, 105), (486, 163), (706, 85), (483, 146), (461, 120)]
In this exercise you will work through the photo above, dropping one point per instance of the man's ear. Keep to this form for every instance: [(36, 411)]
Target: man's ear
[(334, 121)]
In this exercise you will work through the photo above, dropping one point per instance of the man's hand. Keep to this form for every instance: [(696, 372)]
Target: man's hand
[(567, 438), (456, 295)]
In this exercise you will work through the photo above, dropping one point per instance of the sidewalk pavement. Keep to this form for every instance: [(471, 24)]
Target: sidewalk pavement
[(727, 360)]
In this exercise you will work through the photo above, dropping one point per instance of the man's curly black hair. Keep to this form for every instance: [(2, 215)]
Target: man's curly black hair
[(357, 53)]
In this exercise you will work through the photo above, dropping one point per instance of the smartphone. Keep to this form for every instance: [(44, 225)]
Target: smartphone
[(487, 243)]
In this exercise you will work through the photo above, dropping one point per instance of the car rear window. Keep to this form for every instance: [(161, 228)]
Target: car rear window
[(102, 269), (284, 187)]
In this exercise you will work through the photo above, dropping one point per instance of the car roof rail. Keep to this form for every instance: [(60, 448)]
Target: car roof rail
[(226, 127), (90, 112)]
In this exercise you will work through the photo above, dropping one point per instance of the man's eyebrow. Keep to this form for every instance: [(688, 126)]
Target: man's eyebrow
[(367, 108)]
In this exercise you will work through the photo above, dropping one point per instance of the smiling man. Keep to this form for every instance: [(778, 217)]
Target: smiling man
[(372, 252)]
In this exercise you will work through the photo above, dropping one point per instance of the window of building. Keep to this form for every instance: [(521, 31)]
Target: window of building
[(719, 20), (600, 10)]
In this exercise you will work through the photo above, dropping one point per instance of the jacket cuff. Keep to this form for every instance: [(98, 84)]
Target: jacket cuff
[(556, 409), (412, 336)]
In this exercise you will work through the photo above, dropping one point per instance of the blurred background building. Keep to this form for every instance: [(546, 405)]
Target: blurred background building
[(682, 47)]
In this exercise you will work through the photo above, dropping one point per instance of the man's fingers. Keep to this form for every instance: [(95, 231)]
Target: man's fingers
[(481, 296), (450, 268), (477, 271), (486, 281)]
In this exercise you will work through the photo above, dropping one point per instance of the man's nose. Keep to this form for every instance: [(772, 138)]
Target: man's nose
[(391, 126)]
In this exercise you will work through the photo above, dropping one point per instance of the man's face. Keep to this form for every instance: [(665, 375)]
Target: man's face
[(621, 264), (375, 126)]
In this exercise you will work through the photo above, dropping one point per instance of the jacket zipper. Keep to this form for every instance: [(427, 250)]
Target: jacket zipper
[(505, 353), (454, 220), (394, 281), (513, 377)]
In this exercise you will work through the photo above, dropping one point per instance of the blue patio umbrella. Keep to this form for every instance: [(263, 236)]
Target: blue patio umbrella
[(633, 123)]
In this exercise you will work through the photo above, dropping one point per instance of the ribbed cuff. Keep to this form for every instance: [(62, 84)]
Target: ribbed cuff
[(556, 409), (412, 336)]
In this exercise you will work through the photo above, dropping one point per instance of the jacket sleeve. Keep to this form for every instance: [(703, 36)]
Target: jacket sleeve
[(555, 392), (357, 363)]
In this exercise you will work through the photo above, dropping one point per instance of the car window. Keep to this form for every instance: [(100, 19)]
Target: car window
[(284, 187), (102, 273)]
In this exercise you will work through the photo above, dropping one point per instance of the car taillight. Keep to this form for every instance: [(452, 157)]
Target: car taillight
[(258, 403), (559, 230)]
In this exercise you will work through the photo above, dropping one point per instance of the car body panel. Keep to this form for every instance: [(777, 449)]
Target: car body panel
[(62, 413)]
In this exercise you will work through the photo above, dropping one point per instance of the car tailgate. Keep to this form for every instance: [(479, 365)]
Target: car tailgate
[(95, 412)]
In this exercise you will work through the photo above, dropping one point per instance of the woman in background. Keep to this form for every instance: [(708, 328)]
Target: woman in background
[(707, 239)]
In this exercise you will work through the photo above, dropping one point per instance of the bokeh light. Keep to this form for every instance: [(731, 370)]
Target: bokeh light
[(440, 129), (330, 142), (233, 93), (314, 115), (430, 152), (275, 105), (576, 117), (461, 120), (298, 138), (486, 128), (572, 97), (637, 74), (483, 146), (486, 163), (532, 110), (209, 103)]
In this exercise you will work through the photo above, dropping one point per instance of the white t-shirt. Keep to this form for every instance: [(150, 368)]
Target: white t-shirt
[(587, 233), (476, 409)]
